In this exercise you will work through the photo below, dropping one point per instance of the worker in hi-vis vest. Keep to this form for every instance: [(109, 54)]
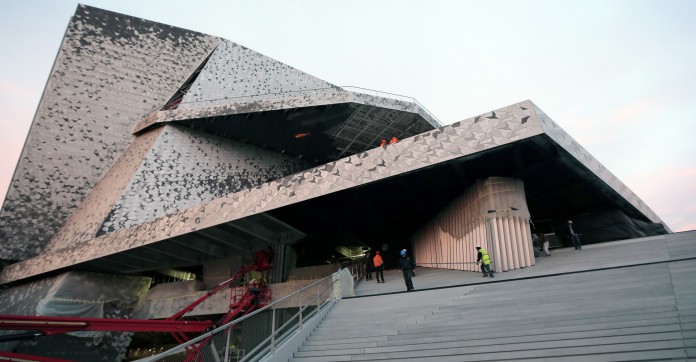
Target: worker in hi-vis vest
[(485, 262)]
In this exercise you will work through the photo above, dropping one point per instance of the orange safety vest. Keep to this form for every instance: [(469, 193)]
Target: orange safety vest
[(377, 260)]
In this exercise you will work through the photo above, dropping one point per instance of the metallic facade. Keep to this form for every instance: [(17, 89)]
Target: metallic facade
[(470, 136), (109, 71), (477, 134), (155, 148), (563, 139)]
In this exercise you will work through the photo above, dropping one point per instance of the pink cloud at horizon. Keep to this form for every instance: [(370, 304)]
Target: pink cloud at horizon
[(18, 105), (584, 125), (677, 206)]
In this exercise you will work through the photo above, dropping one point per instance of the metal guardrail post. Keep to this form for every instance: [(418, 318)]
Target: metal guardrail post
[(268, 345), (273, 331), (214, 351), (227, 345), (301, 310)]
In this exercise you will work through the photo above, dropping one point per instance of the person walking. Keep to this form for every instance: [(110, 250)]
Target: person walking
[(413, 271), (574, 235), (406, 266), (379, 267), (368, 265), (485, 262)]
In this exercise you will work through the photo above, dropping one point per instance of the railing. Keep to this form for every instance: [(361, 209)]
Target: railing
[(366, 91), (395, 96), (219, 346), (356, 268)]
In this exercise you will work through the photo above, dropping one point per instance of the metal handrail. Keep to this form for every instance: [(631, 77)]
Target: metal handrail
[(414, 100), (182, 347), (349, 88), (456, 263)]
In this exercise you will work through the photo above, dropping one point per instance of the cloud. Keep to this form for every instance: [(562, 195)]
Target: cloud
[(634, 113), (17, 105), (10, 89), (589, 124)]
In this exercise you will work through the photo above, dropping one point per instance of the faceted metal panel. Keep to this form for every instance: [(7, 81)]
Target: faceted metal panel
[(473, 135), (285, 101), (187, 167), (87, 219), (563, 139), (110, 70), (236, 71)]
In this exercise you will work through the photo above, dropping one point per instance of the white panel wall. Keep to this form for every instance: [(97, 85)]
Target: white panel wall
[(492, 214)]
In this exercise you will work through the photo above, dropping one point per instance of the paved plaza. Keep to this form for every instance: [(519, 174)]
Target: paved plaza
[(630, 300), (622, 253)]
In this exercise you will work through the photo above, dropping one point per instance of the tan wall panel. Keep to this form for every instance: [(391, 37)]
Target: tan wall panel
[(449, 240)]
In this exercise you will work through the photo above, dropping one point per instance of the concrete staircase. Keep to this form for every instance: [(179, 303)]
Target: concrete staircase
[(645, 312)]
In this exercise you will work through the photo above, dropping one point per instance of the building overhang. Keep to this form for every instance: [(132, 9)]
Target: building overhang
[(381, 194)]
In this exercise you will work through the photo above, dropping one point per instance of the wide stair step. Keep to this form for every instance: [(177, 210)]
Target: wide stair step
[(625, 315)]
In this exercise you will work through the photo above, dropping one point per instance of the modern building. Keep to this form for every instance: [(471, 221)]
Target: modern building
[(158, 152)]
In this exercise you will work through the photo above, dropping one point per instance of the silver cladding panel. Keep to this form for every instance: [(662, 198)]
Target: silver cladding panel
[(187, 167), (271, 102), (467, 137), (110, 70), (563, 139), (86, 221), (236, 71)]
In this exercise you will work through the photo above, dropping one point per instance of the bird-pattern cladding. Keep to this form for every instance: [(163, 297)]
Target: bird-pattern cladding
[(188, 167), (429, 148), (110, 70), (235, 71)]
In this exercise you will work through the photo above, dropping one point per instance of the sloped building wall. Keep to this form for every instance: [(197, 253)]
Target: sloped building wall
[(234, 71), (110, 70), (88, 217), (188, 167), (492, 214), (504, 126), (563, 139)]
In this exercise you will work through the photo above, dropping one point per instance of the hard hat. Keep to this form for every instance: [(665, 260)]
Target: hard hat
[(403, 252)]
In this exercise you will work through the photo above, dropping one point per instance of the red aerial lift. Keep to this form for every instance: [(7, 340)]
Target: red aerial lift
[(243, 301)]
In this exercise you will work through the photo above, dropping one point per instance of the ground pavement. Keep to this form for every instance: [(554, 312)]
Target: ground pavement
[(625, 300)]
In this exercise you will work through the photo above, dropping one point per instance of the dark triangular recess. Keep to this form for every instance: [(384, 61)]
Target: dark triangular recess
[(176, 99)]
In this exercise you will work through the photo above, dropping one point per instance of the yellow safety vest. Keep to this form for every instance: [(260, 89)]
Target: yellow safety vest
[(484, 256)]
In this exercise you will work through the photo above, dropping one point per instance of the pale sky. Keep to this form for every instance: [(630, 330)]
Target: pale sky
[(618, 76)]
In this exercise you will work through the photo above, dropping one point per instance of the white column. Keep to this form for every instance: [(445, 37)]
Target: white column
[(510, 235)]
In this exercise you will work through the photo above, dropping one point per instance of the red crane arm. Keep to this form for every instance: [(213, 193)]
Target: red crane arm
[(8, 356), (58, 325), (219, 287)]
